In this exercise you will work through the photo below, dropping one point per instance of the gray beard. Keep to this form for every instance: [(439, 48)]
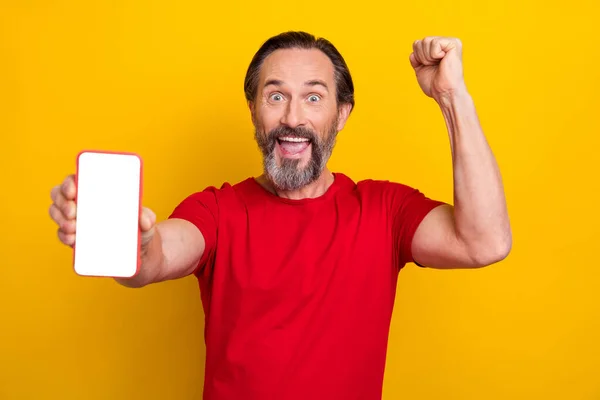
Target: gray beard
[(288, 175)]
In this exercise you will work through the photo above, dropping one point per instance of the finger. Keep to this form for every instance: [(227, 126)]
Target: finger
[(56, 215), (68, 226), (418, 48), (66, 238), (68, 189), (413, 60), (147, 219), (54, 193), (436, 51), (427, 42), (67, 207), (447, 44)]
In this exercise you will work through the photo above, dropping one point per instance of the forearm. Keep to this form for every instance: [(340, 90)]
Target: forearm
[(173, 252), (480, 212), (152, 263)]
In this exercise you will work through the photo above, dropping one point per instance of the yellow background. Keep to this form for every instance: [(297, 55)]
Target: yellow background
[(164, 79)]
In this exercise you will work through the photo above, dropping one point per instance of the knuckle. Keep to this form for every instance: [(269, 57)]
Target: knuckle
[(53, 192), (67, 227), (68, 186), (55, 213), (59, 199), (69, 210), (65, 238), (64, 209)]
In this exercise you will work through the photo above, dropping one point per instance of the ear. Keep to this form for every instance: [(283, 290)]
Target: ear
[(343, 114), (252, 115)]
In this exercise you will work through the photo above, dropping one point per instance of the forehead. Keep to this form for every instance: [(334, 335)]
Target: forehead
[(296, 66)]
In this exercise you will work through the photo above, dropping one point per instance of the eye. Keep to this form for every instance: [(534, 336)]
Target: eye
[(276, 97), (313, 98)]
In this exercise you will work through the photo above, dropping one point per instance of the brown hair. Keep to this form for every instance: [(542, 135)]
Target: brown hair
[(302, 40)]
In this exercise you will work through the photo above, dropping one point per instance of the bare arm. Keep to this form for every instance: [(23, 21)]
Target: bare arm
[(475, 232), (169, 250), (172, 251)]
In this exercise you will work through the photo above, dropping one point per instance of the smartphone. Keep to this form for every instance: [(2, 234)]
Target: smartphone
[(109, 194)]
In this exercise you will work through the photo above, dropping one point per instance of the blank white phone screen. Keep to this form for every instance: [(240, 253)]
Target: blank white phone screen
[(108, 206)]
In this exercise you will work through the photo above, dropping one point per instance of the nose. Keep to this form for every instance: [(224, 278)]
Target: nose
[(293, 115)]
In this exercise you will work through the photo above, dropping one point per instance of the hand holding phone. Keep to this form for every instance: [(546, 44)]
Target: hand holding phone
[(98, 212)]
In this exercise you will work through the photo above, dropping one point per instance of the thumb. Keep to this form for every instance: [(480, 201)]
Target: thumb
[(147, 223)]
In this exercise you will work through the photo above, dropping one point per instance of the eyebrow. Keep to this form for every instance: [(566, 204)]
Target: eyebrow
[(317, 82), (313, 82), (274, 82)]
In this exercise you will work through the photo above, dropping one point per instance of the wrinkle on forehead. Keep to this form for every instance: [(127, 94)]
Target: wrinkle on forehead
[(296, 67)]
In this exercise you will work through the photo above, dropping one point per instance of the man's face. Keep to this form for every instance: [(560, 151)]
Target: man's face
[(296, 116)]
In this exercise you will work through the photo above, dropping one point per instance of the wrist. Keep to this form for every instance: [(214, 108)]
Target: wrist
[(450, 98)]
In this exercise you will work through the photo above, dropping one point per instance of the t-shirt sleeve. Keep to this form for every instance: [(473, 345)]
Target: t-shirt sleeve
[(409, 207), (201, 209)]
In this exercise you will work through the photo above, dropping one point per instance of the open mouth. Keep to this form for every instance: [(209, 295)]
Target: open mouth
[(293, 145)]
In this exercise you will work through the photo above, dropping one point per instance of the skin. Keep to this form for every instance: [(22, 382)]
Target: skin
[(297, 88), (476, 231)]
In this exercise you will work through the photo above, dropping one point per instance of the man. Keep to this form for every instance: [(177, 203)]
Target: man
[(297, 268)]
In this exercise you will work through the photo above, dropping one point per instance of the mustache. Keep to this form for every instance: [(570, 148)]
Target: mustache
[(286, 131)]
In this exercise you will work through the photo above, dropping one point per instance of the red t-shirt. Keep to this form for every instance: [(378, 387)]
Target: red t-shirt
[(298, 294)]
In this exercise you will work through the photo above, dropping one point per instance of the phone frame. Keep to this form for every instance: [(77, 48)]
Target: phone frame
[(141, 187)]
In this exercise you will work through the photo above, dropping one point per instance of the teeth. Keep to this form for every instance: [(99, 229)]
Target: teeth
[(293, 139)]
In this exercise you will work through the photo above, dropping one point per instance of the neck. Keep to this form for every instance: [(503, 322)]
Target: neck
[(310, 191)]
